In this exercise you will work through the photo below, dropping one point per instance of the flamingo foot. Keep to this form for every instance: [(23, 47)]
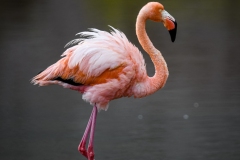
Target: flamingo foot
[(89, 153)]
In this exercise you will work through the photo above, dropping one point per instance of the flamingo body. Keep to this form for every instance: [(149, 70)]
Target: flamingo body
[(104, 67)]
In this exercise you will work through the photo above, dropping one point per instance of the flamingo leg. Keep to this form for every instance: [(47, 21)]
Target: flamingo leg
[(89, 153), (91, 138), (82, 144)]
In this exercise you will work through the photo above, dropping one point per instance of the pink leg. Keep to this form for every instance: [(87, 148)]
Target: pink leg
[(91, 125), (91, 138), (81, 147)]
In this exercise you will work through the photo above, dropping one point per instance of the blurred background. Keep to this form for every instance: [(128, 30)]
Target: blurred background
[(195, 116)]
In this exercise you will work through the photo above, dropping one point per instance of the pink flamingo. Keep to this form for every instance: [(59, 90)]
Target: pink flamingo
[(105, 66)]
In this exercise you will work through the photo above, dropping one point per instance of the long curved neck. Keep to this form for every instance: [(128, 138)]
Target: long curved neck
[(151, 84)]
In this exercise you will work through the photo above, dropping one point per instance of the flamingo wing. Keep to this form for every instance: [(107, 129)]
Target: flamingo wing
[(96, 59), (91, 70)]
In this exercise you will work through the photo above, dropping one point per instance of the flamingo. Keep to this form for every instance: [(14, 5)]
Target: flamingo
[(104, 66)]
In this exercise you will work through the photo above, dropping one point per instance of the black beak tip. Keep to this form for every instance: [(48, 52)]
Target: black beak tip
[(173, 32)]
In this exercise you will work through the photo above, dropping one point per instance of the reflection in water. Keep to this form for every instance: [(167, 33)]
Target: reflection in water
[(195, 116)]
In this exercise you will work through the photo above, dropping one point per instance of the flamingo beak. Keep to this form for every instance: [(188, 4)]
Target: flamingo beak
[(170, 23)]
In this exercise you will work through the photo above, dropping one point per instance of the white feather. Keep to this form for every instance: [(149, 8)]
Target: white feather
[(100, 50)]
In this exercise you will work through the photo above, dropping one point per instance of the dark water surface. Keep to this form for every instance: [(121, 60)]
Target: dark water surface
[(196, 116)]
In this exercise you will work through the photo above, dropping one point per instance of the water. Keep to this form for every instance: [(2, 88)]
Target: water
[(195, 116)]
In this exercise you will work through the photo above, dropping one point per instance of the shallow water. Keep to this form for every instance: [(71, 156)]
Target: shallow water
[(195, 116)]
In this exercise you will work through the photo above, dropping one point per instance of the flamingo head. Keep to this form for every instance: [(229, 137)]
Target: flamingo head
[(156, 12)]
